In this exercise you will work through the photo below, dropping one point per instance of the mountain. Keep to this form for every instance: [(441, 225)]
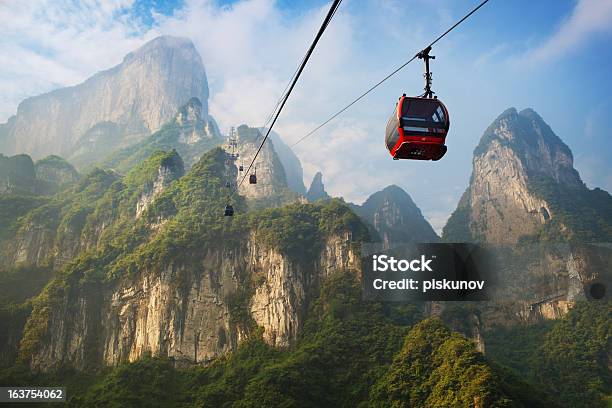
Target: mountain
[(291, 163), (20, 175), (395, 217), (524, 187), (272, 188), (17, 174), (527, 204), (191, 133), (351, 353), (79, 219), (148, 264), (113, 108), (316, 191)]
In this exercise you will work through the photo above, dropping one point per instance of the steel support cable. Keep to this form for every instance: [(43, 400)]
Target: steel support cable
[(324, 25), (269, 118), (363, 95)]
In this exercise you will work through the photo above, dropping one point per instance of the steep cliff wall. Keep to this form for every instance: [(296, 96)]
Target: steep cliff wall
[(112, 108), (527, 203), (189, 312), (271, 187), (183, 282), (500, 204)]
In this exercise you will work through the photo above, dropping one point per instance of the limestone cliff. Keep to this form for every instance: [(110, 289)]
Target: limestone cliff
[(271, 184), (194, 285), (113, 108), (527, 203), (291, 163), (500, 205), (189, 312), (190, 133)]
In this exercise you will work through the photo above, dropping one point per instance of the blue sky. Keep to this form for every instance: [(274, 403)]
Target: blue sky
[(552, 56)]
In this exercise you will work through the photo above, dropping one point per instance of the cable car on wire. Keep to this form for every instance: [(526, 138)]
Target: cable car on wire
[(229, 211), (253, 177), (418, 127)]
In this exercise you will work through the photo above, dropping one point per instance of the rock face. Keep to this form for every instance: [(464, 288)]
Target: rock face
[(526, 203), (184, 312), (500, 204), (395, 217), (317, 189), (112, 108), (291, 164), (190, 132), (271, 178)]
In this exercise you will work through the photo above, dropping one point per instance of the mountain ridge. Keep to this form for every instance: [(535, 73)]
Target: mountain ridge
[(161, 76)]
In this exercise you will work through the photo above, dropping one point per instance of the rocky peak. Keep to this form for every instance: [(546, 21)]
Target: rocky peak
[(113, 108), (271, 178), (522, 176), (540, 151), (396, 217), (291, 163), (317, 189)]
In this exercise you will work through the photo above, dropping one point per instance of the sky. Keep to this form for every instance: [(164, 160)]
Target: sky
[(552, 56)]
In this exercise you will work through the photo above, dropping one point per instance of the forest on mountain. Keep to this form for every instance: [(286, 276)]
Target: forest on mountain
[(121, 279)]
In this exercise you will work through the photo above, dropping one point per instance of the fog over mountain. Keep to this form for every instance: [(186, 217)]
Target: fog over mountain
[(112, 108)]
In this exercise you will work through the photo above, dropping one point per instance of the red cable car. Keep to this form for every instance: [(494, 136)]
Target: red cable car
[(418, 127)]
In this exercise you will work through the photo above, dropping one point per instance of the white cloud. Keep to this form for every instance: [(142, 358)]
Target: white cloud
[(46, 44), (252, 47), (589, 17)]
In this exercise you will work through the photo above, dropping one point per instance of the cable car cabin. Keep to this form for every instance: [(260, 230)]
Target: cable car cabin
[(241, 168), (253, 179), (417, 129), (229, 211)]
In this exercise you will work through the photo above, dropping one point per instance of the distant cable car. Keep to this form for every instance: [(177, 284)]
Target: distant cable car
[(241, 167), (227, 184), (418, 127), (229, 211), (253, 177)]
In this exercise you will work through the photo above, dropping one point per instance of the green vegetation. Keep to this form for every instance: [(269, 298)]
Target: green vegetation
[(17, 174), (169, 137), (568, 357), (457, 228), (349, 354), (12, 207), (440, 368), (587, 214), (298, 229), (54, 174)]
